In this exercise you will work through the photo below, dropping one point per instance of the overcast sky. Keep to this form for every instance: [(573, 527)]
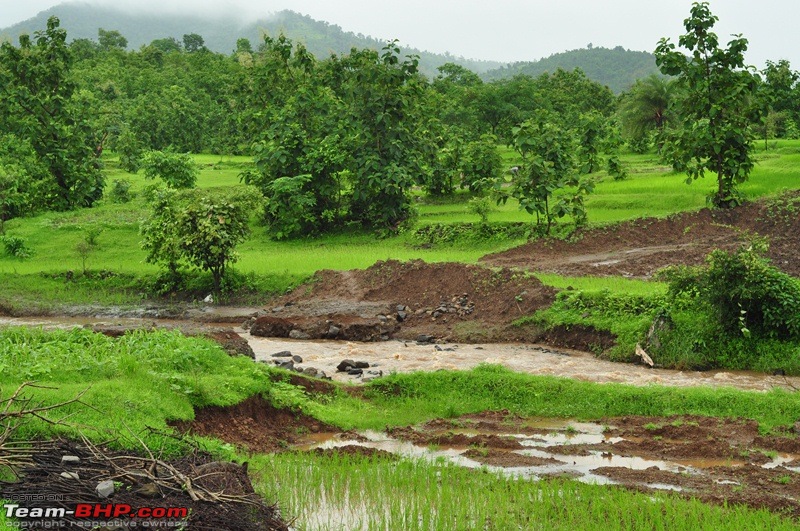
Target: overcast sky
[(507, 30)]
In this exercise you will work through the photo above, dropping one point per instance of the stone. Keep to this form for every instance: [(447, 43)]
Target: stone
[(424, 338), (361, 365), (105, 488), (282, 354), (401, 316), (401, 307), (288, 365), (70, 475), (333, 332), (355, 372), (298, 334), (311, 371), (345, 365), (297, 359), (70, 460), (382, 318)]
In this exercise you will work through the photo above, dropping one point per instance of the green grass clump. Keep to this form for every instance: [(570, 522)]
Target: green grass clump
[(403, 399), (140, 380), (342, 492)]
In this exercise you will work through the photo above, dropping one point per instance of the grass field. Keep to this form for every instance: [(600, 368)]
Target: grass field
[(651, 190)]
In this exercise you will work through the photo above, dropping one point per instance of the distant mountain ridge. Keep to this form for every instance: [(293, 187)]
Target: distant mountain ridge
[(82, 20), (617, 68)]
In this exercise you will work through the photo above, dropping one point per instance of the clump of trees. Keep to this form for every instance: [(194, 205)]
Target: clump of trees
[(45, 125)]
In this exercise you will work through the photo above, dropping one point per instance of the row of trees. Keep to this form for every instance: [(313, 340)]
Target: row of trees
[(342, 140)]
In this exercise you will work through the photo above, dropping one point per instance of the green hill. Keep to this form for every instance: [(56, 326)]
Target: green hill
[(82, 20), (617, 68)]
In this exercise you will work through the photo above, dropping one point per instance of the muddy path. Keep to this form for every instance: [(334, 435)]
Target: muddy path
[(639, 248)]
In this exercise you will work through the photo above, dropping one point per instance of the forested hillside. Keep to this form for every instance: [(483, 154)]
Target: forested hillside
[(616, 68), (82, 21)]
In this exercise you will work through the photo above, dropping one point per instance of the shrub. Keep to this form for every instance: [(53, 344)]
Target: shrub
[(480, 206), (176, 170), (744, 293), (120, 191), (15, 246)]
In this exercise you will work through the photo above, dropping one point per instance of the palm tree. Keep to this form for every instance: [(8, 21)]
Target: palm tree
[(645, 108)]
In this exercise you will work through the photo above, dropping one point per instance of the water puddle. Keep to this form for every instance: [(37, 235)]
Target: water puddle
[(551, 449)]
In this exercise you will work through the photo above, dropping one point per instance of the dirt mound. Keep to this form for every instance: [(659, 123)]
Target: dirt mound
[(640, 247), (447, 301), (254, 424)]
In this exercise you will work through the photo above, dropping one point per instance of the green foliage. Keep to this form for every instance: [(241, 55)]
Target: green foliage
[(481, 207), (465, 233), (201, 228), (616, 168), (716, 106), (40, 105), (744, 293), (177, 170), (111, 39), (130, 150), (481, 164), (548, 167), (390, 151), (290, 207), (644, 111), (120, 191), (15, 246), (592, 132)]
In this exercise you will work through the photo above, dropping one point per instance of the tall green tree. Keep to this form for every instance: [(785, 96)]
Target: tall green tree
[(384, 95), (548, 167), (40, 105), (715, 105)]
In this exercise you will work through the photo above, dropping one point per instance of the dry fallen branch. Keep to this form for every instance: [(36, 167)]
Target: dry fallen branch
[(18, 409)]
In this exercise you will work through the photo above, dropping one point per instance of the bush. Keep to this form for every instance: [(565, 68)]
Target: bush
[(120, 191), (15, 246), (745, 294), (176, 170)]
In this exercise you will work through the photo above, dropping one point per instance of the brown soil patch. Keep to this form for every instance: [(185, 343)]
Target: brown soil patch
[(640, 247), (254, 424), (447, 301), (506, 459), (453, 440)]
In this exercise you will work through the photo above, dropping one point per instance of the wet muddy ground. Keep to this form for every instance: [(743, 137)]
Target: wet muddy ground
[(714, 460)]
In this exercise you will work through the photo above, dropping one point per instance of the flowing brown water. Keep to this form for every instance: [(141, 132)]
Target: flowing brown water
[(399, 356)]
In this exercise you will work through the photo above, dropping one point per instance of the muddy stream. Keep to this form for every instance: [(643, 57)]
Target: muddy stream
[(408, 356)]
